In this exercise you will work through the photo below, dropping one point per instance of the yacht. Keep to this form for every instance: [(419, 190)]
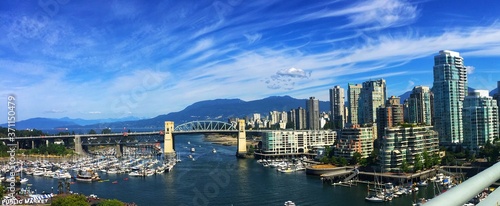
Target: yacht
[(214, 151), (39, 172), (374, 198), (289, 203), (192, 149), (87, 176)]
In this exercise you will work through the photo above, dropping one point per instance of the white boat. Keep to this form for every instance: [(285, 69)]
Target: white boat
[(192, 149), (87, 176), (214, 151), (422, 184), (289, 203), (24, 180), (189, 142), (39, 172), (135, 174), (374, 198)]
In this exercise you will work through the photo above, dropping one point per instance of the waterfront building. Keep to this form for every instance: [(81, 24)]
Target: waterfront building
[(285, 142), (354, 139), (449, 88), (404, 144), (372, 96), (353, 91), (312, 117), (337, 100), (480, 119), (418, 107)]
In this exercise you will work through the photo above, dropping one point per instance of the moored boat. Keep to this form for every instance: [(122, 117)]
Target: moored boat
[(87, 176)]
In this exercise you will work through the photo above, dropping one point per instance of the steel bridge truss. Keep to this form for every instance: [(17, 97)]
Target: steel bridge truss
[(215, 126), (123, 140)]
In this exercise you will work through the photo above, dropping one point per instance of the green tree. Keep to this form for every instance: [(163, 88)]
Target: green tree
[(106, 131), (334, 160), (404, 166), (342, 161), (372, 158), (427, 160), (92, 131), (418, 165), (112, 202), (73, 200), (324, 160), (356, 158)]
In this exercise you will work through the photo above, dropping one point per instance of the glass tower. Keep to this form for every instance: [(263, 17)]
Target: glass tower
[(337, 106), (449, 88), (480, 119)]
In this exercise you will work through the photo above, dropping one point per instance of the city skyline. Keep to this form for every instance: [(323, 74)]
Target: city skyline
[(97, 60)]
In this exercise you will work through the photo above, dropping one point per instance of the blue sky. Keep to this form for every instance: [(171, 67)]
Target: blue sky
[(94, 59)]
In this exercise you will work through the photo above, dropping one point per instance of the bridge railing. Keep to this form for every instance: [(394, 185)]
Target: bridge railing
[(462, 193)]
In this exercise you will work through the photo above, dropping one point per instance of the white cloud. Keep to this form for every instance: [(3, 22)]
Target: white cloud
[(470, 69)]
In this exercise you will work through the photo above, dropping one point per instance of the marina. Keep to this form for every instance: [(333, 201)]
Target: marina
[(214, 178)]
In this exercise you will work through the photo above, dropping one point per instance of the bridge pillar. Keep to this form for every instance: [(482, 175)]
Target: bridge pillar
[(78, 145), (32, 144), (168, 140), (242, 139), (118, 150)]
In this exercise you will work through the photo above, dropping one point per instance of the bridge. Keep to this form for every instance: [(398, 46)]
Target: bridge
[(166, 136)]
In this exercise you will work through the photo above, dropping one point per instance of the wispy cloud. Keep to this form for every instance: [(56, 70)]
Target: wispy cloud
[(120, 59)]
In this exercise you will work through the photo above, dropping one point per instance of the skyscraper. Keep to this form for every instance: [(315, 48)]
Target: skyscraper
[(389, 116), (419, 106), (312, 116), (449, 88), (337, 107), (298, 117), (480, 119), (353, 91), (372, 96)]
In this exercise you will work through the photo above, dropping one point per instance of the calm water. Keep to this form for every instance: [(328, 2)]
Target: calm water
[(220, 179)]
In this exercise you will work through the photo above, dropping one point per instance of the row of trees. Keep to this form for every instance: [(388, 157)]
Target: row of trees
[(51, 149), (81, 200)]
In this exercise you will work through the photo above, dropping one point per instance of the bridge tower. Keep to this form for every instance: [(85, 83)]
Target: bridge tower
[(78, 145), (168, 140), (242, 139)]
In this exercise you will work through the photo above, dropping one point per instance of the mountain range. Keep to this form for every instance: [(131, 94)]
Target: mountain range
[(218, 109)]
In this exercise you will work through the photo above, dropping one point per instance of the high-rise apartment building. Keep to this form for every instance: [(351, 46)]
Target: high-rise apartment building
[(312, 116), (337, 107), (389, 116), (449, 88), (299, 118), (480, 119), (372, 96), (419, 106), (404, 144), (353, 91), (354, 139)]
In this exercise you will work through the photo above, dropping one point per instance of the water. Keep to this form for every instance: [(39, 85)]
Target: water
[(220, 179)]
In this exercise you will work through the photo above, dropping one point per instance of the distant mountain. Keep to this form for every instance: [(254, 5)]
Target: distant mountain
[(84, 122), (41, 124), (219, 109), (493, 92), (406, 95)]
